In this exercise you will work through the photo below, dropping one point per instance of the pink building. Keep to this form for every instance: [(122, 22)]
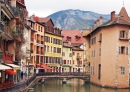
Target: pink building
[(108, 51)]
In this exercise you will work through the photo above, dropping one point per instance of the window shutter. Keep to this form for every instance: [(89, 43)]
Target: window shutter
[(126, 50), (119, 50), (127, 34), (120, 34)]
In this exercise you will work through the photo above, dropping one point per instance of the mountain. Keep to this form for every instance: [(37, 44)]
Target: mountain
[(76, 19)]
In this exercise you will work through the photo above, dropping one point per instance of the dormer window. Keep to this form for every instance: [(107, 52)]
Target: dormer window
[(68, 38), (77, 37)]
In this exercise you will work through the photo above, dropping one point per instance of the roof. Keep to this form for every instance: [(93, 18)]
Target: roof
[(43, 20), (72, 34), (67, 45), (122, 19), (123, 13), (77, 49)]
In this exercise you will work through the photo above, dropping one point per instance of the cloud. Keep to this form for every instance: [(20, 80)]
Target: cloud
[(47, 7), (40, 13)]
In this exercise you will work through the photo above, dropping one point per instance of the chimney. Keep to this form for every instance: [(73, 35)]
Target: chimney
[(100, 20), (112, 15), (95, 22)]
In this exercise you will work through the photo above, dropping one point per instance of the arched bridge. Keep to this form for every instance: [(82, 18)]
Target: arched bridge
[(64, 76)]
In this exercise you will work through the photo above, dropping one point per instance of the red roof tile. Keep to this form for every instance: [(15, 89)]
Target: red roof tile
[(72, 34)]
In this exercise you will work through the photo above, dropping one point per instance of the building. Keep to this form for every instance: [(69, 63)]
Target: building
[(67, 57), (11, 34), (108, 49), (79, 49), (52, 45)]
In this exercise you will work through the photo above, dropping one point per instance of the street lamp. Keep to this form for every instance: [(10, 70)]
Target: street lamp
[(29, 59)]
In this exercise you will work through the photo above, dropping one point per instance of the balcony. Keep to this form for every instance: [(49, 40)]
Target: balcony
[(79, 57), (32, 39), (7, 34), (38, 52), (42, 52), (42, 42), (38, 41), (7, 7), (18, 14), (6, 57)]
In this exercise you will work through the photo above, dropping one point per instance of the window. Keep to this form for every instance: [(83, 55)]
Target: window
[(99, 71), (100, 52), (63, 53), (122, 70), (93, 53), (45, 48), (73, 53), (123, 34), (100, 37), (51, 40), (70, 55), (51, 48), (122, 50)]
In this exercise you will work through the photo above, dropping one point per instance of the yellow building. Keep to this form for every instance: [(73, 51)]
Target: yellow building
[(78, 60), (52, 44)]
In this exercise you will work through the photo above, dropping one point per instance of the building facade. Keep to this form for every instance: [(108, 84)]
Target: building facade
[(108, 49), (79, 49), (11, 38), (67, 57)]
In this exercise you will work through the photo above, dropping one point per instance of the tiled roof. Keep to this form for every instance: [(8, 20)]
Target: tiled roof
[(42, 20), (122, 19), (72, 34), (123, 13), (65, 44)]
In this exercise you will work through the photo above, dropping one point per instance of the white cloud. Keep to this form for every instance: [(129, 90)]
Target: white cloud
[(42, 13), (46, 7)]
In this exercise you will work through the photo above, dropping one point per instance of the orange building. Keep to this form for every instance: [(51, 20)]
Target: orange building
[(108, 51)]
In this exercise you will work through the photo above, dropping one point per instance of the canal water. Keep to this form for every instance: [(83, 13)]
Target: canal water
[(73, 85)]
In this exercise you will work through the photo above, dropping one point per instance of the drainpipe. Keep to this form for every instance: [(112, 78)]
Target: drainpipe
[(116, 68), (129, 60)]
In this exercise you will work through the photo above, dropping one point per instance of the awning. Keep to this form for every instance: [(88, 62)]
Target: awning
[(30, 65), (10, 71), (4, 67), (14, 66), (44, 66)]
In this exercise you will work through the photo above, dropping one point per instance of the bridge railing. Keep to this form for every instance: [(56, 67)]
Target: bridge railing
[(63, 74)]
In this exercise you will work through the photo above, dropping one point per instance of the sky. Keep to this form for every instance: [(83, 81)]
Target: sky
[(43, 8)]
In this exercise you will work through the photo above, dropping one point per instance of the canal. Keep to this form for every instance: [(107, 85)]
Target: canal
[(73, 85)]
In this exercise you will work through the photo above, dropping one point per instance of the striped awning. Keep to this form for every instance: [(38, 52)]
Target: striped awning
[(4, 67), (16, 67)]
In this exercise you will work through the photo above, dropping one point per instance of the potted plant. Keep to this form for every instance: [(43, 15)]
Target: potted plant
[(6, 52)]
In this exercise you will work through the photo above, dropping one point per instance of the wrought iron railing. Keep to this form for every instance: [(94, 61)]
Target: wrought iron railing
[(18, 12), (1, 26)]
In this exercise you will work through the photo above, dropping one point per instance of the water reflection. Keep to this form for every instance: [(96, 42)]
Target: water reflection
[(73, 85)]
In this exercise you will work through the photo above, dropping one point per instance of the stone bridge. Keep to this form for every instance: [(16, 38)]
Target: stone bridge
[(64, 76)]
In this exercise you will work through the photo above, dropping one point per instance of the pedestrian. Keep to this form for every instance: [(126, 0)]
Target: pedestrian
[(25, 74), (21, 74)]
